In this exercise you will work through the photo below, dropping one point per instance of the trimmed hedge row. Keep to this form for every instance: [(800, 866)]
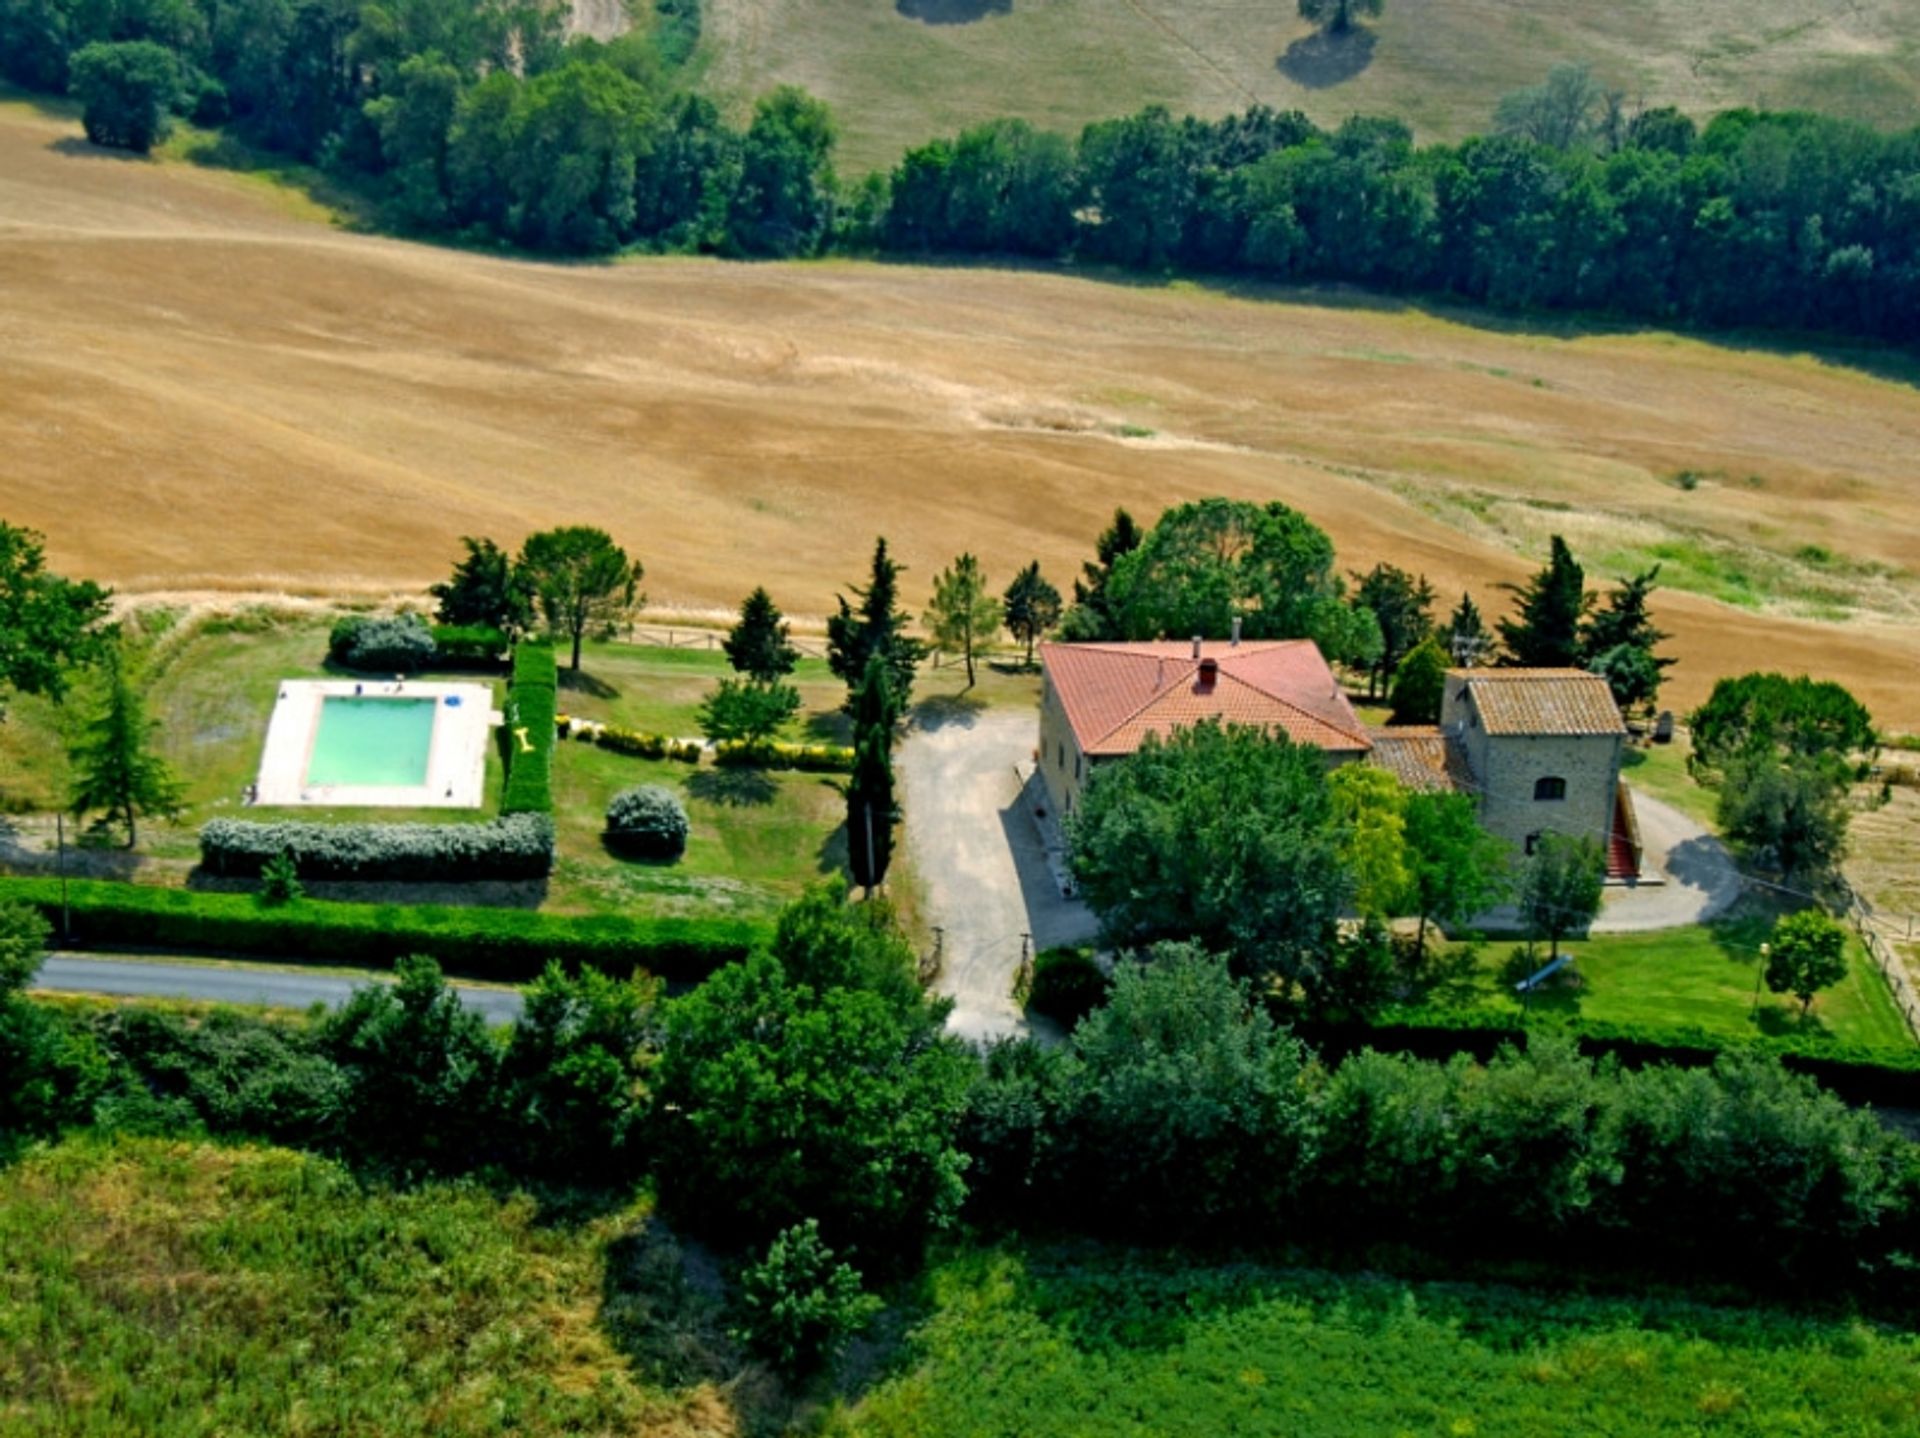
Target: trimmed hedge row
[(468, 643), (629, 741), (516, 846), (510, 945), (532, 704), (808, 758), (1855, 1073)]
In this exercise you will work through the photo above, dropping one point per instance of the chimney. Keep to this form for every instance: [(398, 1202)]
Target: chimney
[(1196, 649), (1209, 672), (1235, 641)]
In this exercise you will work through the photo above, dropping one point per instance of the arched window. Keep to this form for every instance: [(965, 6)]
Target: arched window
[(1549, 789)]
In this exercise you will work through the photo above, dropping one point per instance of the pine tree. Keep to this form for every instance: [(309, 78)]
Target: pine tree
[(1619, 643), (871, 809), (1403, 604), (1032, 607), (1547, 633), (115, 767), (486, 588), (877, 627), (1467, 638), (1092, 614), (964, 614), (758, 644)]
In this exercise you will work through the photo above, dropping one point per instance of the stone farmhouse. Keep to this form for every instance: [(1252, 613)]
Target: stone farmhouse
[(1540, 749)]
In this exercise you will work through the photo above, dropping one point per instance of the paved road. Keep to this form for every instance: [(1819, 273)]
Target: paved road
[(237, 984), (1701, 881), (978, 854)]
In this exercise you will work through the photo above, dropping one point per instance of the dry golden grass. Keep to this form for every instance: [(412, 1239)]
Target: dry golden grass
[(901, 71), (199, 389)]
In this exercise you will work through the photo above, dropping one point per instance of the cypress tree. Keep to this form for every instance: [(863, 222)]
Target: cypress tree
[(878, 626), (871, 809), (1092, 613), (1547, 632), (1467, 637)]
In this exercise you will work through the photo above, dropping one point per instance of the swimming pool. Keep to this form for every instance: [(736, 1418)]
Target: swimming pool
[(372, 742)]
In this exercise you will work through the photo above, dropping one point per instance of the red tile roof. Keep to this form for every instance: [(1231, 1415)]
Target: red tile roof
[(1542, 701), (1421, 756), (1116, 694)]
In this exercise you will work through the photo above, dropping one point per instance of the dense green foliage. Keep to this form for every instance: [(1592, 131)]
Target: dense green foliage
[(116, 771), (468, 644), (748, 712), (759, 645), (877, 626), (486, 589), (516, 846), (396, 644), (1092, 615), (582, 581), (799, 1304), (1420, 684), (965, 615), (1402, 607), (488, 943), (1068, 984), (1558, 887), (1551, 611), (1807, 953), (1030, 608), (533, 699), (1224, 836), (48, 625), (127, 91), (1786, 718), (647, 821)]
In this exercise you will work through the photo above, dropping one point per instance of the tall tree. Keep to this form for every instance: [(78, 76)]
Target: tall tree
[(878, 626), (1092, 614), (964, 614), (758, 644), (1031, 607), (48, 625), (872, 810), (1806, 953), (583, 580), (485, 588), (1457, 868), (1788, 815), (1420, 684), (1337, 16), (1553, 605), (1467, 639), (1402, 603), (1222, 836), (115, 768), (1771, 714), (1566, 110), (1619, 641), (1370, 808), (1560, 887)]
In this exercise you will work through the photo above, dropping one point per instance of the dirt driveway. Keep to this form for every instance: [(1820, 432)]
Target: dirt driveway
[(980, 858), (1701, 881)]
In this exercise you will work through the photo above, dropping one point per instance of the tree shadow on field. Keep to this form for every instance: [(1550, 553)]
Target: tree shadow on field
[(85, 149), (831, 726), (951, 12), (832, 855), (1327, 57), (945, 711), (736, 788), (579, 681)]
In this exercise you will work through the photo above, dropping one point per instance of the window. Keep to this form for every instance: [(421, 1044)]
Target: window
[(1549, 790), (1076, 766), (1063, 754), (1533, 842)]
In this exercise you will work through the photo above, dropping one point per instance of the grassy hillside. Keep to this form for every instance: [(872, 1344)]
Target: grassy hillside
[(174, 1288), (262, 403), (899, 71)]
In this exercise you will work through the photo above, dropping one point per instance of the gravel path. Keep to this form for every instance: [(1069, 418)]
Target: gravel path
[(1701, 881), (980, 858)]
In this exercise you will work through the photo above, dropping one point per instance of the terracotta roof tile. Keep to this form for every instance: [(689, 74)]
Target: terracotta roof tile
[(1116, 694), (1420, 756), (1542, 701)]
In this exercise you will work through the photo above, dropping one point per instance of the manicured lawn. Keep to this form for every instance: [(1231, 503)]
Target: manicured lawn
[(1020, 1343), (1661, 770), (1701, 977)]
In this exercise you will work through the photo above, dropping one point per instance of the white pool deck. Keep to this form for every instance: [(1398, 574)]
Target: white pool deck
[(456, 762)]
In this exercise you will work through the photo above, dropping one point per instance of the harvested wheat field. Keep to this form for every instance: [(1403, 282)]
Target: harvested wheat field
[(203, 385)]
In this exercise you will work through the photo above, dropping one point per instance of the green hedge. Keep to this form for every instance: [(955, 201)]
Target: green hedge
[(509, 945), (468, 643), (810, 758), (629, 741), (1856, 1073), (517, 846), (532, 702)]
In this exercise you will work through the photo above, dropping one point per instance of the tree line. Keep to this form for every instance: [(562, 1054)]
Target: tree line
[(484, 123)]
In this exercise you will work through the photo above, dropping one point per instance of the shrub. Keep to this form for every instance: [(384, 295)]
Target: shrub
[(516, 846), (648, 822), (532, 709), (800, 1304), (632, 743), (807, 758), (486, 943), (279, 881), (1068, 984), (401, 644), (128, 89), (469, 643)]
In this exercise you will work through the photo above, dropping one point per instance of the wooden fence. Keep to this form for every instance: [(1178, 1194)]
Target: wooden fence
[(1879, 933)]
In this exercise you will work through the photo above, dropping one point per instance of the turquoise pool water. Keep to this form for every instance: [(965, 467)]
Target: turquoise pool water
[(372, 743)]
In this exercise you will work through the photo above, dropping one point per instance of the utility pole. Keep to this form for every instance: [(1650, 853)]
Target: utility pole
[(60, 840)]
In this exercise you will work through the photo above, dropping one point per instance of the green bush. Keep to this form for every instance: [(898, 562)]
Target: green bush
[(129, 90), (807, 758), (510, 945), (799, 1304), (468, 643), (532, 709), (648, 822), (632, 743), (516, 846), (1068, 984), (399, 644)]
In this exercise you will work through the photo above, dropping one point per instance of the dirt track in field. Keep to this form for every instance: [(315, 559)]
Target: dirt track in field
[(202, 388)]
